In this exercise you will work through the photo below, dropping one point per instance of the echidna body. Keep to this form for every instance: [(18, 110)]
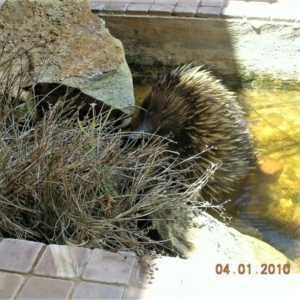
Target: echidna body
[(197, 111)]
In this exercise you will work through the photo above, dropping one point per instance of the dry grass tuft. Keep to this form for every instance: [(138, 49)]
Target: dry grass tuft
[(67, 181)]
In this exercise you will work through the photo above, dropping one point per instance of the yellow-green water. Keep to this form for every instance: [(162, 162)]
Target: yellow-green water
[(269, 207), (273, 206)]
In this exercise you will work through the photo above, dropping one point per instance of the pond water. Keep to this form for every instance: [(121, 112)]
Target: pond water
[(269, 207)]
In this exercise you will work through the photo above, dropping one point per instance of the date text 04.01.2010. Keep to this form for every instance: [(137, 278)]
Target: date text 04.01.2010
[(241, 269)]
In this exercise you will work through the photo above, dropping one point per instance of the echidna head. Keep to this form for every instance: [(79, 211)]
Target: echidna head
[(157, 120), (167, 109)]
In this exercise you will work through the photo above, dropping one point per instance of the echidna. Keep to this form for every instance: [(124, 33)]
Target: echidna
[(197, 111)]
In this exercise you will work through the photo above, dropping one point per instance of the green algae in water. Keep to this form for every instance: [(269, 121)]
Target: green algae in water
[(275, 117), (269, 208), (275, 123)]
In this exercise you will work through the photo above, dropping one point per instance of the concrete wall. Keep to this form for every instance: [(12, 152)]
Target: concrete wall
[(249, 52)]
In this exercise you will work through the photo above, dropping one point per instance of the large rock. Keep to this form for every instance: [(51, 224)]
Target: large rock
[(197, 235), (63, 43)]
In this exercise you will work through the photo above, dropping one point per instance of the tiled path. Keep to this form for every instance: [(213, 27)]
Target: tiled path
[(273, 10), (31, 270), (34, 271)]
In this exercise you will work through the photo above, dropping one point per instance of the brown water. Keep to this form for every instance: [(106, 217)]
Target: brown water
[(269, 208)]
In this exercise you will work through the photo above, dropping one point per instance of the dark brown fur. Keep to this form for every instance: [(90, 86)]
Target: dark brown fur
[(198, 111)]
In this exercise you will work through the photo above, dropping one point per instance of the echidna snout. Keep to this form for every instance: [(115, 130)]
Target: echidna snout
[(144, 128), (149, 119)]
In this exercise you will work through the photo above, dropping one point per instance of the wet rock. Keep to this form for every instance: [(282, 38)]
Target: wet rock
[(269, 166), (246, 229), (200, 236), (62, 44)]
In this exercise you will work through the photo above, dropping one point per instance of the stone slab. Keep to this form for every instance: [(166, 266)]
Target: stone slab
[(9, 284), (171, 2), (185, 10), (212, 2), (19, 255), (138, 9), (209, 12), (108, 267), (97, 291), (97, 5), (46, 288), (115, 8), (62, 261), (142, 1), (189, 2), (161, 9)]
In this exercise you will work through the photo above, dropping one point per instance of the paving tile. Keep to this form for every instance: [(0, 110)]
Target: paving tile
[(9, 284), (284, 12), (115, 8), (212, 3), (258, 11), (158, 276), (185, 11), (138, 9), (97, 5), (161, 10), (235, 9), (62, 261), (19, 255), (109, 267), (173, 2), (209, 12), (97, 291), (142, 1), (46, 288), (189, 2), (119, 1)]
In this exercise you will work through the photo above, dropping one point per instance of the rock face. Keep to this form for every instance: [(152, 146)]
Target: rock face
[(63, 43), (262, 53), (199, 236)]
